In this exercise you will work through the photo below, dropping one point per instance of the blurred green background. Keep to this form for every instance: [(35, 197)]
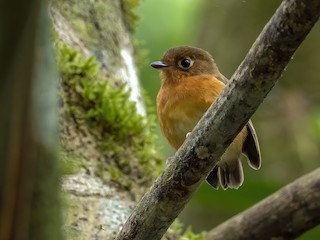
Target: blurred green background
[(287, 123)]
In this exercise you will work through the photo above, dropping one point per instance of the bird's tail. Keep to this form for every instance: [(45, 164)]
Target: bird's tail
[(229, 174)]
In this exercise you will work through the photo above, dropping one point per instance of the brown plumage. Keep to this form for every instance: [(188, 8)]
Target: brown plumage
[(190, 82)]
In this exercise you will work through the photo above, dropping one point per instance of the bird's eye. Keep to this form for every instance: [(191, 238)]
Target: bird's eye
[(185, 63)]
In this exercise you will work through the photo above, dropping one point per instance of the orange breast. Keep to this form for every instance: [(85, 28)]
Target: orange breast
[(180, 105)]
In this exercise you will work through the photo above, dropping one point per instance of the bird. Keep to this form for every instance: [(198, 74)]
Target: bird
[(190, 83)]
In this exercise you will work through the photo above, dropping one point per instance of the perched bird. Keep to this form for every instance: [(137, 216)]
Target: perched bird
[(190, 83)]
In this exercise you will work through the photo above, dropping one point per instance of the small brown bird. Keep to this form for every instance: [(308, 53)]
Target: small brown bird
[(190, 83)]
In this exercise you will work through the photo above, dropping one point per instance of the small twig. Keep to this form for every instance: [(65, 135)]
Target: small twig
[(248, 87)]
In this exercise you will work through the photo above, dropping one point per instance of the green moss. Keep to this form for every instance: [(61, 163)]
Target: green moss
[(117, 176), (122, 135), (176, 232), (103, 104), (129, 7), (69, 163)]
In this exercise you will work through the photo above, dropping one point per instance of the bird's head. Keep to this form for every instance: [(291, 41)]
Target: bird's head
[(180, 62)]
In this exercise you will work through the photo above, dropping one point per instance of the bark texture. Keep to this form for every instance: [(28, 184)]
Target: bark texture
[(286, 214), (254, 78)]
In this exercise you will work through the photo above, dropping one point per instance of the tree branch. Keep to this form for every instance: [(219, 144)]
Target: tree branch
[(248, 87), (286, 214)]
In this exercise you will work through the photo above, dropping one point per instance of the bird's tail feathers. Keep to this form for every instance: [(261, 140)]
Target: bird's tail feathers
[(213, 178), (230, 174)]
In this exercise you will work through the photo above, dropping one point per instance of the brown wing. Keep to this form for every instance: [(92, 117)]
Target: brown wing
[(251, 147)]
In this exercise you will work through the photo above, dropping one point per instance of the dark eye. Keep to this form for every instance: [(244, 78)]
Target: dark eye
[(185, 63)]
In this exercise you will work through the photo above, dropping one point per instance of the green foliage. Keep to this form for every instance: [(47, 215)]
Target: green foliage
[(124, 136), (189, 235), (176, 232)]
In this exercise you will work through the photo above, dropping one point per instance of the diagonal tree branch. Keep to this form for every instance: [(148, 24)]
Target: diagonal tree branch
[(251, 82), (286, 214)]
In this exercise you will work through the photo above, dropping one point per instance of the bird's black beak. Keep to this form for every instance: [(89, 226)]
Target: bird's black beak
[(158, 64)]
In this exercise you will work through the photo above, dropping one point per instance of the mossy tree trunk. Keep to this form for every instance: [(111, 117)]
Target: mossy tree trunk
[(107, 148)]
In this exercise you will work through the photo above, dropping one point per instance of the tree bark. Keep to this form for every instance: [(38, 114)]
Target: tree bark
[(252, 81), (286, 214)]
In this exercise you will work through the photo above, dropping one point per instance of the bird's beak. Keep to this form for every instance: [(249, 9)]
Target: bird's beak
[(158, 64)]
